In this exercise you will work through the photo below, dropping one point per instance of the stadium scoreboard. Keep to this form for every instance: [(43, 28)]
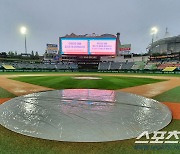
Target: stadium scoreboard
[(87, 46)]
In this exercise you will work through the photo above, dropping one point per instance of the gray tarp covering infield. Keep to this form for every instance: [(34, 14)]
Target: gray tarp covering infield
[(83, 115)]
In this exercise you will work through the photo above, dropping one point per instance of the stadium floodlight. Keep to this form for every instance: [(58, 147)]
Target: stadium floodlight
[(154, 30), (23, 31)]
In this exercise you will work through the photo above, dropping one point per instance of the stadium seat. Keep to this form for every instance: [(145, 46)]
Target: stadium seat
[(169, 69), (8, 67)]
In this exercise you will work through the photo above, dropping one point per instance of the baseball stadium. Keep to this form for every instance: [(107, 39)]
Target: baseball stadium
[(90, 94)]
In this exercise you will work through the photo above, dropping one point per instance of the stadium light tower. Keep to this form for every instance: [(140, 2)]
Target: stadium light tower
[(154, 31), (23, 31)]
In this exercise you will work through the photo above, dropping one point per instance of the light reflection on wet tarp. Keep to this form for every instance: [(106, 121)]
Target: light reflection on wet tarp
[(83, 115)]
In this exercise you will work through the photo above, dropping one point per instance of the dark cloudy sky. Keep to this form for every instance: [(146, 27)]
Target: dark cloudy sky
[(46, 20)]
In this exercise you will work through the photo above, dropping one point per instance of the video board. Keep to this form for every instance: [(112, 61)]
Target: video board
[(87, 46)]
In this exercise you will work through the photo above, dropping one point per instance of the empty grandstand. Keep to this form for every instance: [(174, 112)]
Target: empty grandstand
[(115, 65), (109, 66), (150, 66), (139, 65), (38, 66)]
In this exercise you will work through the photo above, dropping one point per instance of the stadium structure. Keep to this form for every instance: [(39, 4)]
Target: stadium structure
[(167, 45), (102, 53), (86, 50)]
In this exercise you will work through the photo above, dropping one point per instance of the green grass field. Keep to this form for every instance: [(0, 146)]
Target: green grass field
[(172, 95), (18, 144), (65, 82), (13, 143), (5, 94)]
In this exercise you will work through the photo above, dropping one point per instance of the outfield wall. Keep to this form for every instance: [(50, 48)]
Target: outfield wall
[(99, 71)]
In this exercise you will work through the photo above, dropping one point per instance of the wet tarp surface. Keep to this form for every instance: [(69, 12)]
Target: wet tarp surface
[(83, 115)]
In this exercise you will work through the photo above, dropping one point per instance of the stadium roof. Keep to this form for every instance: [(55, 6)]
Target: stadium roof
[(168, 40), (93, 35), (174, 39)]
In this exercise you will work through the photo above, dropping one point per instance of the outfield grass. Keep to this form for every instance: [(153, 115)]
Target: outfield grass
[(65, 82), (172, 95), (5, 94), (14, 143)]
